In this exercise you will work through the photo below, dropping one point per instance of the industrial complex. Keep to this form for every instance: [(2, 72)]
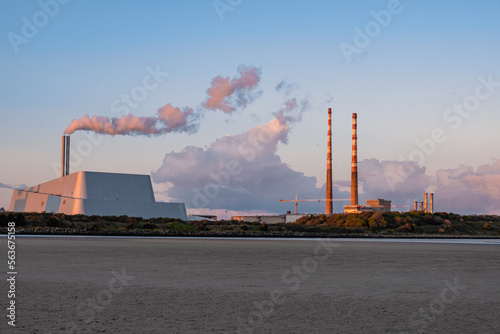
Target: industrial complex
[(99, 193), (95, 193)]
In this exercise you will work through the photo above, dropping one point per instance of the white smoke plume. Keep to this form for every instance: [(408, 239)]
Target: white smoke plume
[(168, 119), (224, 94), (227, 95)]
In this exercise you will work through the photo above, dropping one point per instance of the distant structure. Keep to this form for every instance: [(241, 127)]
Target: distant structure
[(201, 217), (377, 205), (427, 205), (329, 195), (371, 205), (269, 219), (95, 193)]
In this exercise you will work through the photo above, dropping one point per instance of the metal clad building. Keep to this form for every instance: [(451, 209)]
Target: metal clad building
[(96, 193)]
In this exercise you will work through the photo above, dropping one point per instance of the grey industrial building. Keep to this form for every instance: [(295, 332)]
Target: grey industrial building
[(96, 193)]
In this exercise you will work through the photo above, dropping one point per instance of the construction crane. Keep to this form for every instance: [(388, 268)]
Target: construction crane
[(296, 200)]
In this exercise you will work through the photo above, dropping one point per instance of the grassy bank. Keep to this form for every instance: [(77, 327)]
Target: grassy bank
[(366, 224)]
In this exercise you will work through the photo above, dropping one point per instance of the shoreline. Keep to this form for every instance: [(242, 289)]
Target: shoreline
[(233, 234)]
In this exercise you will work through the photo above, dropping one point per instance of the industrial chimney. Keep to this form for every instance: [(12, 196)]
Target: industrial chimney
[(354, 162), (431, 201), (65, 156), (329, 195), (426, 202)]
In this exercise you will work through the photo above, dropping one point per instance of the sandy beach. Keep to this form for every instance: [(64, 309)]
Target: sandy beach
[(162, 285)]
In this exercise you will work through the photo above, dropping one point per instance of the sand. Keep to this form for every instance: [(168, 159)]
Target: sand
[(140, 285)]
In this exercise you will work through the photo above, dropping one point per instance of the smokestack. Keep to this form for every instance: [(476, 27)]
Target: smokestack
[(415, 205), (63, 156), (421, 206), (431, 209), (67, 155), (426, 202), (354, 162), (329, 195)]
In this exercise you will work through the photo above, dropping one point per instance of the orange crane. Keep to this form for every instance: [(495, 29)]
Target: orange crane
[(296, 200)]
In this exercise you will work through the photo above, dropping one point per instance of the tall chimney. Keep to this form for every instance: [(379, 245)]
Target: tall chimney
[(431, 209), (354, 162), (421, 204), (329, 195), (426, 202), (67, 155), (415, 205), (63, 156)]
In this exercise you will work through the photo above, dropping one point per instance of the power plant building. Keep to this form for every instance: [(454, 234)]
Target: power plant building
[(96, 193)]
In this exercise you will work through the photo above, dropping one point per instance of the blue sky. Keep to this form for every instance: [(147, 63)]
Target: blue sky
[(418, 64)]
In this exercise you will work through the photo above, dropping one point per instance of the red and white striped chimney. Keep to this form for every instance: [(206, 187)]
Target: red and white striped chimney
[(354, 161), (329, 195)]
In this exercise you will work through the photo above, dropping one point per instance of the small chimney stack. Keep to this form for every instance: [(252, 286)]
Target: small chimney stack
[(67, 155), (354, 162), (415, 205), (63, 156), (426, 202), (329, 194), (431, 209)]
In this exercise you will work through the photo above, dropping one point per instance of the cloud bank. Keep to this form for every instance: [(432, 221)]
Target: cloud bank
[(463, 190), (241, 172)]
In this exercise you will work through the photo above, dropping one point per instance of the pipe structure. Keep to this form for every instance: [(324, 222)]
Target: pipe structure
[(426, 202), (431, 208), (354, 162), (63, 156), (329, 195), (67, 154)]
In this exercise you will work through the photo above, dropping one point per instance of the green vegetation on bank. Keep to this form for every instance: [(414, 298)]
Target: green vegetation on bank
[(366, 223)]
